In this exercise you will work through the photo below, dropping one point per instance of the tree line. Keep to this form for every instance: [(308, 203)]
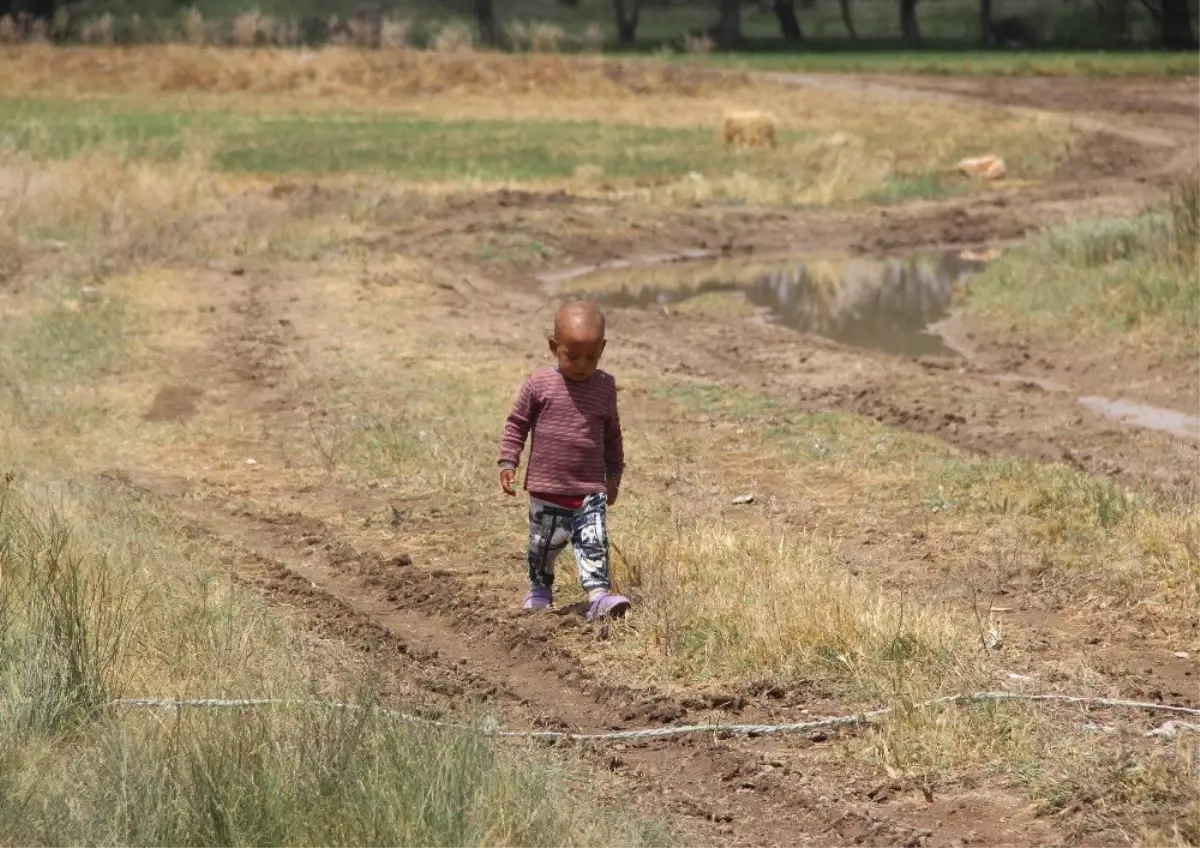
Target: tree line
[(1172, 18)]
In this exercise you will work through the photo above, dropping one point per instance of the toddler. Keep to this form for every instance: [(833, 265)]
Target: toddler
[(576, 457)]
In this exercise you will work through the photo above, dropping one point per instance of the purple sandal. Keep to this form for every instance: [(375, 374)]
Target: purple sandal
[(608, 605), (538, 599)]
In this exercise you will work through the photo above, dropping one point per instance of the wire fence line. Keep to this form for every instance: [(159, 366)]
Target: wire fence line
[(684, 730)]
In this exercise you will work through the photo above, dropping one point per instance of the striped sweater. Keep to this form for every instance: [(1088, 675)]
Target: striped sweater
[(576, 446)]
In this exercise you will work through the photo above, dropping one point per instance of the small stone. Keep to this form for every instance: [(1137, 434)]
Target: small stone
[(744, 499), (1182, 655), (252, 462)]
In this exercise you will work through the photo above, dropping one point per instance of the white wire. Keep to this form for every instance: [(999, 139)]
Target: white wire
[(680, 730)]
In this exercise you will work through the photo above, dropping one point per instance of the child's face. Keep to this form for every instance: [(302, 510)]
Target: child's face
[(578, 358)]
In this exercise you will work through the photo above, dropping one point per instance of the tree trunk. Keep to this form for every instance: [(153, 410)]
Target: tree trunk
[(848, 20), (729, 26), (43, 9), (1177, 33), (485, 14), (627, 19), (785, 10), (985, 21), (908, 21)]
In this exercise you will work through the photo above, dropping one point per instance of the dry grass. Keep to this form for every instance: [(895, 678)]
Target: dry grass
[(105, 210), (829, 147), (536, 36), (1128, 279), (104, 203), (1185, 218), (729, 600), (1084, 542), (590, 87), (104, 598), (451, 67), (395, 33), (455, 37)]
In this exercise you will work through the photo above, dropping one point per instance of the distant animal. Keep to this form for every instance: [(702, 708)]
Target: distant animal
[(749, 129)]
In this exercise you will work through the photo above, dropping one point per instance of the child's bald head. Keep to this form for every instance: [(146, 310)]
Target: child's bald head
[(578, 339), (579, 320)]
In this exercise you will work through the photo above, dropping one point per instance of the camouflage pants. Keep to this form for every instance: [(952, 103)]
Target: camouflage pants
[(552, 526)]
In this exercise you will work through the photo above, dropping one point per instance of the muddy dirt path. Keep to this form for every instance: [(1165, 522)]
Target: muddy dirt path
[(448, 630), (445, 630)]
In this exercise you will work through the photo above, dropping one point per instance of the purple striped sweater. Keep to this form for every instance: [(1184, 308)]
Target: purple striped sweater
[(576, 446)]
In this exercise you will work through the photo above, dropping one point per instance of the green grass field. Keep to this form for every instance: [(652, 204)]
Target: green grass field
[(1103, 279), (679, 160)]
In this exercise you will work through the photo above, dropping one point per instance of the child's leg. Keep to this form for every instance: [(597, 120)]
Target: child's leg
[(589, 538), (549, 532)]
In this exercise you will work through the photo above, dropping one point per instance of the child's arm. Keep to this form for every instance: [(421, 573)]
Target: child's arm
[(614, 451), (516, 429)]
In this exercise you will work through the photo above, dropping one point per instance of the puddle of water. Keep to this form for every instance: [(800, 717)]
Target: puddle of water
[(882, 304), (892, 305), (1141, 415)]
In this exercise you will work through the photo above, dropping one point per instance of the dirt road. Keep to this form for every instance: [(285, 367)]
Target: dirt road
[(446, 623)]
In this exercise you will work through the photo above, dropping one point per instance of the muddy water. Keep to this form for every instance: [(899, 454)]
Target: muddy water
[(883, 304), (892, 305)]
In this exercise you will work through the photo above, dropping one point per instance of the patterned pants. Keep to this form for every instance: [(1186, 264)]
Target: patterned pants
[(552, 526)]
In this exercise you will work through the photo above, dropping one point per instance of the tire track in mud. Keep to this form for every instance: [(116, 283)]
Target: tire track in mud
[(427, 627)]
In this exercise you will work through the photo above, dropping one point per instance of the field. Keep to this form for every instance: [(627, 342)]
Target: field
[(262, 314)]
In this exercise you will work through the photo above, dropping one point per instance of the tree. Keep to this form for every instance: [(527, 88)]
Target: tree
[(908, 21), (848, 20), (627, 19), (785, 10), (485, 14), (1177, 25), (728, 31), (42, 9), (985, 21), (1114, 20)]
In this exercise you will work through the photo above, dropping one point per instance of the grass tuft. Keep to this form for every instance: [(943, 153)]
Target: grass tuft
[(1185, 218), (722, 601), (1101, 277), (298, 776), (64, 624), (80, 625)]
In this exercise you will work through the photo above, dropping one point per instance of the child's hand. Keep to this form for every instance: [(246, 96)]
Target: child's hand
[(506, 480), (613, 491)]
